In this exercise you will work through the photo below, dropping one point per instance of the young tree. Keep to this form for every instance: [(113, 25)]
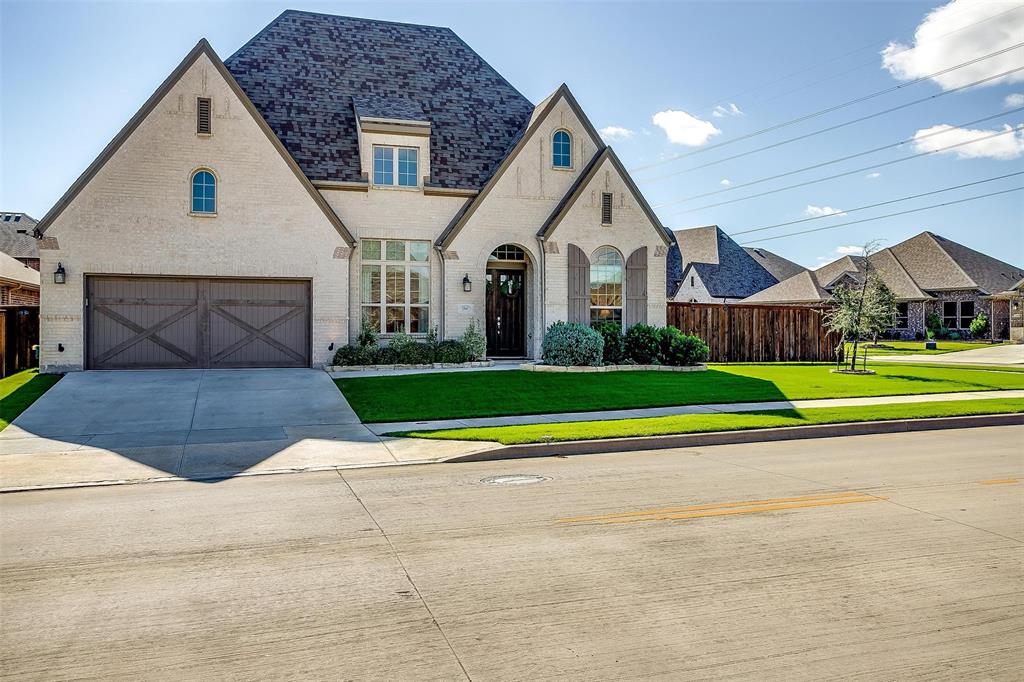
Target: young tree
[(863, 310)]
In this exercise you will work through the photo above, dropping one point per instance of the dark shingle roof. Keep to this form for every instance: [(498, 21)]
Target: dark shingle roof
[(780, 268), (396, 108), (724, 267), (304, 69), (13, 242)]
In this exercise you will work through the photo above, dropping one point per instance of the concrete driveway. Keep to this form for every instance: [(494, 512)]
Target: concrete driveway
[(196, 424), (1004, 354)]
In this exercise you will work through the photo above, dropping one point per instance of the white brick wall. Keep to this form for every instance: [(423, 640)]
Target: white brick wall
[(133, 218)]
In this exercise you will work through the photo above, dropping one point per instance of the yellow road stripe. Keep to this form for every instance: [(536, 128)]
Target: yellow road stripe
[(718, 505), (999, 481), (749, 510)]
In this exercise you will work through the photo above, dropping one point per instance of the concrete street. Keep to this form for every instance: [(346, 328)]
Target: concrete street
[(881, 557)]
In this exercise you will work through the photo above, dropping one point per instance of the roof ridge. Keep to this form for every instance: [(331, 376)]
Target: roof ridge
[(904, 269), (948, 255)]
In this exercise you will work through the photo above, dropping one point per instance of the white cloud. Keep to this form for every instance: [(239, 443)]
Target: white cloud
[(725, 182), (682, 128), (938, 44), (872, 176), (1014, 100), (850, 250), (819, 211), (731, 110), (616, 133), (1004, 147)]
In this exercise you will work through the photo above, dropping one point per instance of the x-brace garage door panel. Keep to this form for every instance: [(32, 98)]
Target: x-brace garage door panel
[(164, 322)]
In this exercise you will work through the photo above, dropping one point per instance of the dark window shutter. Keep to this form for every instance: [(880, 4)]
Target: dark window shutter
[(579, 285), (203, 124), (606, 209), (636, 289)]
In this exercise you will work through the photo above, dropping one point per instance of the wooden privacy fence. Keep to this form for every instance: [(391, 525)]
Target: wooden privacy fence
[(757, 333), (19, 331)]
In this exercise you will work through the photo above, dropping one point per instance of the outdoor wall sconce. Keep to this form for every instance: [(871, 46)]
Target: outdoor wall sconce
[(59, 275), (467, 285)]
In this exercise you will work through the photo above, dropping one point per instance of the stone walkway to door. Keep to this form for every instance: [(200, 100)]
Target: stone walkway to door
[(209, 425)]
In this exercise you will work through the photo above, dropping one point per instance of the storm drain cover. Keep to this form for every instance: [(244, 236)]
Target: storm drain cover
[(514, 479)]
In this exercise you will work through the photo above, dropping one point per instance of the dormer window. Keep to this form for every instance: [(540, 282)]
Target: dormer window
[(561, 150), (386, 160)]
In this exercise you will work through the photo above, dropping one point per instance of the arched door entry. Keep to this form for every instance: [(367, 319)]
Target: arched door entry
[(506, 302)]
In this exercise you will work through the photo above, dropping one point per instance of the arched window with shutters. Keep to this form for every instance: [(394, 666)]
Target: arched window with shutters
[(204, 192), (561, 149), (606, 275)]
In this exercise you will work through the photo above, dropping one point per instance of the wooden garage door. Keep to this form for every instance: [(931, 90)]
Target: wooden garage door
[(167, 322)]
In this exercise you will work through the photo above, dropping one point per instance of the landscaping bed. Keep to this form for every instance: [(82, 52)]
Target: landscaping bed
[(537, 367), (20, 390), (455, 395), (705, 423), (432, 365)]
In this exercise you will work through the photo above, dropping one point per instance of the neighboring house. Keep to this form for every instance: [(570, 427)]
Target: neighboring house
[(17, 238), (19, 284), (928, 274), (338, 170), (1013, 299), (706, 266), (779, 267)]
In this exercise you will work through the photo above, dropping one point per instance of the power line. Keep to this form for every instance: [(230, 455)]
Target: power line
[(836, 126), (836, 107), (888, 215), (843, 158), (842, 56), (857, 170), (881, 203)]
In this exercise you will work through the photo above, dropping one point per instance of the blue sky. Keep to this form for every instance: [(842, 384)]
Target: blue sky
[(74, 73)]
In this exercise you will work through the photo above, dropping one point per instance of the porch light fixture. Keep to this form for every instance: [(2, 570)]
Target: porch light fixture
[(467, 285), (59, 275)]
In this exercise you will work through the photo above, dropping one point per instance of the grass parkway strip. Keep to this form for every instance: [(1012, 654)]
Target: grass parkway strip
[(421, 397), (705, 423), (20, 390)]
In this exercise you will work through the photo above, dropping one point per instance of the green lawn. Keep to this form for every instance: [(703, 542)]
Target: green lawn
[(700, 423), (20, 390), (452, 395), (917, 347)]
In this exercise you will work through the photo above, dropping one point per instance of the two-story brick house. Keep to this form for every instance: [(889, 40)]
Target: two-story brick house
[(333, 171)]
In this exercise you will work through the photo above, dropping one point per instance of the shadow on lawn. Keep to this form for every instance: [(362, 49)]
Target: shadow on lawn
[(15, 402)]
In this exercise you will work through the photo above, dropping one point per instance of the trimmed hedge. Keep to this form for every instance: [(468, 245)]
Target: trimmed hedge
[(614, 344), (568, 344), (643, 344)]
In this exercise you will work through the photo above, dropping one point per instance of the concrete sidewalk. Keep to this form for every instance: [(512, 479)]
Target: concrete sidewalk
[(1005, 354), (604, 415)]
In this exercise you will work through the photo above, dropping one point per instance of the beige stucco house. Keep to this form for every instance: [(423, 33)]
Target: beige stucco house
[(334, 172)]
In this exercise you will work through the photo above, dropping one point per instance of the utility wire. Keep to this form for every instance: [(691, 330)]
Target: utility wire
[(843, 158), (857, 170), (881, 203), (836, 107), (888, 215), (875, 44), (835, 127)]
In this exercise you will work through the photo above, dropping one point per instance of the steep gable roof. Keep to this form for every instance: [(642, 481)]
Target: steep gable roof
[(303, 70), (202, 48), (988, 273), (16, 230), (725, 268), (580, 185), (541, 112), (780, 268), (802, 287)]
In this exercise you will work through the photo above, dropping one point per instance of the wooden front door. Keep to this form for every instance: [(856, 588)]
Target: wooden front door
[(184, 322), (506, 313)]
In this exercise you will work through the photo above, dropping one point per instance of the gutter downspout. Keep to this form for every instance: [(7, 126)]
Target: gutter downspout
[(444, 281), (542, 315)]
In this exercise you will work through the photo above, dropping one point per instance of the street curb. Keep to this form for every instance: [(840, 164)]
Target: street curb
[(593, 447)]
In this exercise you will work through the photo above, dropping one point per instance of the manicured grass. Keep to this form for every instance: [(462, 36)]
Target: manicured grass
[(20, 390), (917, 347), (453, 395), (701, 423)]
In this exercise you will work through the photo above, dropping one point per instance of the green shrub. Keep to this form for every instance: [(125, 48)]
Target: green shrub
[(614, 345), (942, 333), (954, 336), (933, 322), (681, 350), (385, 355), (367, 334), (570, 344), (642, 344), (415, 353), (451, 350), (979, 325), (475, 341), (350, 356)]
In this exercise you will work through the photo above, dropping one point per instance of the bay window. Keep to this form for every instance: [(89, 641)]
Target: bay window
[(395, 285)]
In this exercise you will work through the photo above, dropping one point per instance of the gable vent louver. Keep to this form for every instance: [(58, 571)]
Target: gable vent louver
[(606, 209), (203, 123)]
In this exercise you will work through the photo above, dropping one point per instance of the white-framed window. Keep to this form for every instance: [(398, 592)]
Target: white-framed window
[(204, 192), (561, 149), (396, 166), (606, 285), (957, 314), (395, 285), (966, 314), (902, 316)]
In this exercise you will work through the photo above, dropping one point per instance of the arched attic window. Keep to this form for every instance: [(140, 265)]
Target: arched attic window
[(561, 149), (204, 192)]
